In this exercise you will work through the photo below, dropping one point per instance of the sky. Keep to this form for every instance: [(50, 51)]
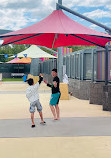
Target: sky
[(17, 14)]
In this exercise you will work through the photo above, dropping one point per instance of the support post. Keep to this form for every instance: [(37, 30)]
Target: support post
[(53, 63), (106, 65), (92, 65), (82, 66), (57, 7), (34, 67), (74, 66), (60, 57), (60, 64)]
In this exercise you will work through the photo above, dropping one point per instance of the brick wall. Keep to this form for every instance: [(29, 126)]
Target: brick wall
[(96, 93), (107, 98), (79, 89)]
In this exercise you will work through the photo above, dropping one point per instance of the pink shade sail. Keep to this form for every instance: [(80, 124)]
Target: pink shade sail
[(56, 30), (13, 61)]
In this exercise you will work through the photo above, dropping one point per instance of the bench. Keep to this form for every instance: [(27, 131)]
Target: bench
[(17, 74)]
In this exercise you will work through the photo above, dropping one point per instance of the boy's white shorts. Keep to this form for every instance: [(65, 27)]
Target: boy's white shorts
[(36, 104)]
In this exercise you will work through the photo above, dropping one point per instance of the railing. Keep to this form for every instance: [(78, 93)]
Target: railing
[(87, 64)]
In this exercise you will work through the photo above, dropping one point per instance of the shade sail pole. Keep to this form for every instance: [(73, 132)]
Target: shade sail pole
[(34, 67), (57, 7), (60, 64), (106, 65), (60, 57)]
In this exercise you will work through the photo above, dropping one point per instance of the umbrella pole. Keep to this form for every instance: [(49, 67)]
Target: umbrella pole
[(106, 65), (60, 57), (59, 2), (60, 64), (34, 67), (53, 63)]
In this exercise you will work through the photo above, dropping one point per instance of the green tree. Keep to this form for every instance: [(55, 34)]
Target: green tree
[(10, 50)]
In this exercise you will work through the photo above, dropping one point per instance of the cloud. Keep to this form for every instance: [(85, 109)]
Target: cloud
[(88, 3), (93, 26), (98, 14), (13, 19), (16, 14)]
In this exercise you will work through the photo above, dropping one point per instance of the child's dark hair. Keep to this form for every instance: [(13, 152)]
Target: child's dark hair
[(55, 70), (30, 81)]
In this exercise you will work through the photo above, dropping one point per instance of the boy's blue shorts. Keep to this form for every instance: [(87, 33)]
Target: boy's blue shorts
[(55, 98)]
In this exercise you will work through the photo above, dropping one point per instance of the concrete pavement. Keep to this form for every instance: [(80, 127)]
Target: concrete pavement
[(84, 130), (66, 127)]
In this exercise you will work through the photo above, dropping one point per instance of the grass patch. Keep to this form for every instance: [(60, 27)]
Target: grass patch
[(12, 79)]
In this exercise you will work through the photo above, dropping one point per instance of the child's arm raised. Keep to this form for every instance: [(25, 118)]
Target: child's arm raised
[(49, 85), (40, 78)]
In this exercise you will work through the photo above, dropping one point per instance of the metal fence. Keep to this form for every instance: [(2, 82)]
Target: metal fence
[(101, 64), (87, 64), (47, 65), (81, 64)]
